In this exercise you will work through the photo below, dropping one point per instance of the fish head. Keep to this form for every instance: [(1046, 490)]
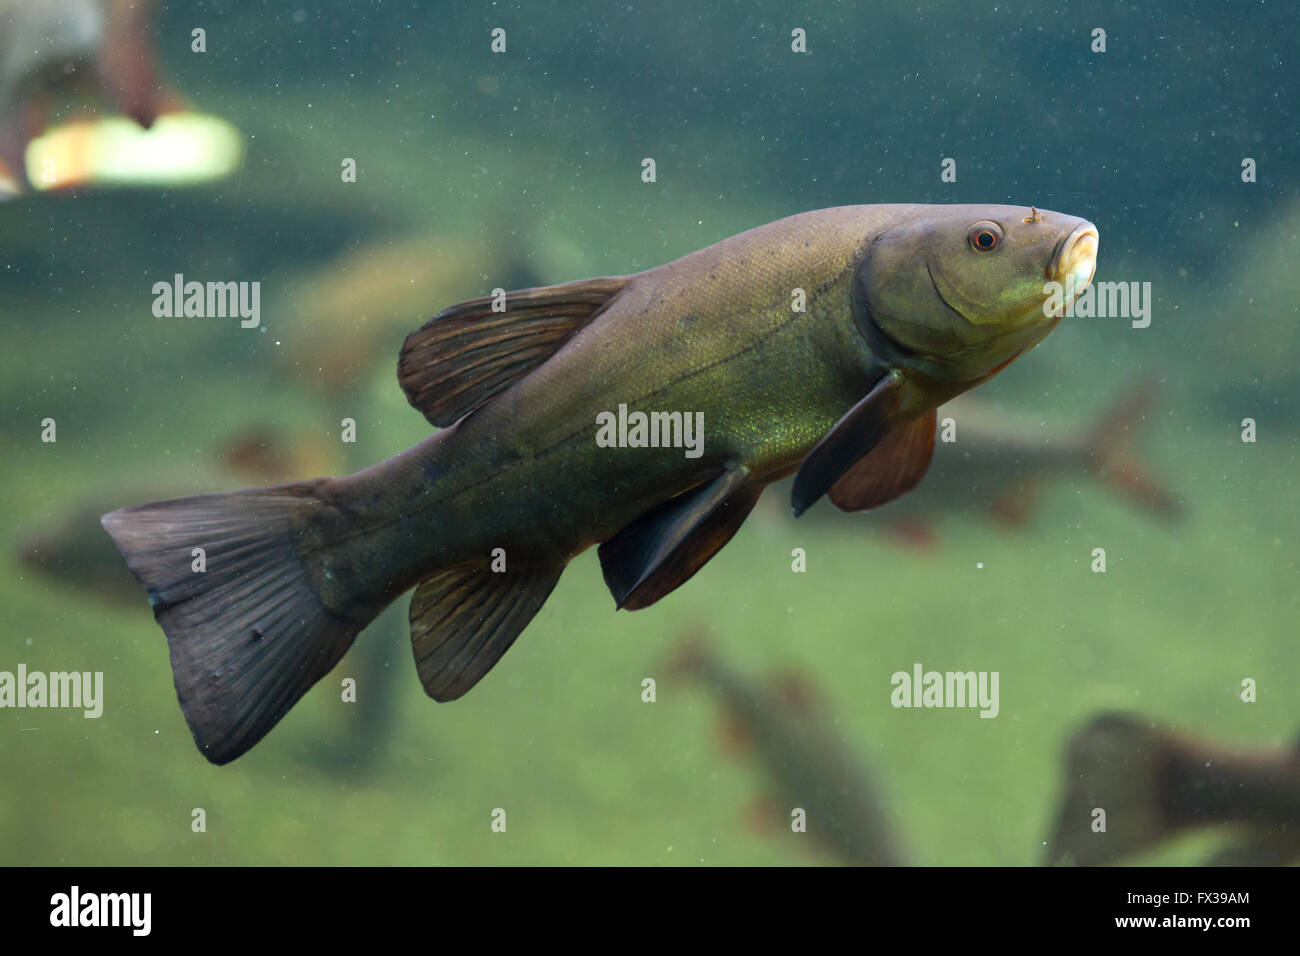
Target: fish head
[(956, 292)]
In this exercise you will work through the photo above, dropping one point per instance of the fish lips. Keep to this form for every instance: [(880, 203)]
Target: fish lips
[(1075, 260), (1072, 263)]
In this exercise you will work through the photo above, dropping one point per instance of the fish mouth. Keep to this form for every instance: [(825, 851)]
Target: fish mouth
[(1075, 261)]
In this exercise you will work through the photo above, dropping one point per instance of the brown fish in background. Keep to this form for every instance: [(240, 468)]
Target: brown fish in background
[(1001, 458), (806, 761), (53, 50), (358, 308), (1156, 784), (73, 550), (262, 454)]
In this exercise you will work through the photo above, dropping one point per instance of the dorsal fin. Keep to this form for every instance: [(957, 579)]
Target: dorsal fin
[(466, 354)]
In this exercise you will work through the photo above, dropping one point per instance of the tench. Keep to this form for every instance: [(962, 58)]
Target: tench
[(998, 462), (643, 413), (999, 459), (1155, 784), (806, 760)]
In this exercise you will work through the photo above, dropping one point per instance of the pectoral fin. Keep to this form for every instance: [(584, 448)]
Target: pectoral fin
[(863, 426), (893, 468), (660, 551), (468, 353)]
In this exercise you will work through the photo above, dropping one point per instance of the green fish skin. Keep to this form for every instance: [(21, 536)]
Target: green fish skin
[(903, 307)]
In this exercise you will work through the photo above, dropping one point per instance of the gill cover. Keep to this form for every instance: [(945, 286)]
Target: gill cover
[(957, 292)]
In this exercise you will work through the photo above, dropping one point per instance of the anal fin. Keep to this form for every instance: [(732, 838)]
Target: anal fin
[(662, 549), (464, 618)]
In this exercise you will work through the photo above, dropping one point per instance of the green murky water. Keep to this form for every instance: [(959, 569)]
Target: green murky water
[(528, 164)]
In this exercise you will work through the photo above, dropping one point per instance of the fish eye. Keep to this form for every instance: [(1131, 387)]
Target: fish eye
[(984, 236)]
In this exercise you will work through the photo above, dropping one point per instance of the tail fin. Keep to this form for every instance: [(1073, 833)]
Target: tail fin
[(1118, 465), (247, 632)]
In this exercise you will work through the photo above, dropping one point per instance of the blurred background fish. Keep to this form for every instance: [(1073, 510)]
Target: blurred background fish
[(54, 52), (1001, 458), (68, 548), (1155, 783), (352, 315), (803, 757), (261, 453), (88, 70)]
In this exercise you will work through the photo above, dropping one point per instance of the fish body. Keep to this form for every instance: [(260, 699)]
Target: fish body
[(692, 339), (1156, 783), (818, 345), (807, 763)]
